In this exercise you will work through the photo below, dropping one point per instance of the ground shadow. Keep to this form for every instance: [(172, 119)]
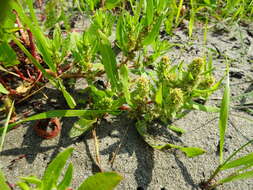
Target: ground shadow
[(185, 173)]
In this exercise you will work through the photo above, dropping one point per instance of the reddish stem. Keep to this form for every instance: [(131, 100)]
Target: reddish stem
[(20, 74), (22, 33), (32, 45)]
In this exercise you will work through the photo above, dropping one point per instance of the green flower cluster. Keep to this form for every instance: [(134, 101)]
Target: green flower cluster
[(140, 94), (174, 88), (103, 103)]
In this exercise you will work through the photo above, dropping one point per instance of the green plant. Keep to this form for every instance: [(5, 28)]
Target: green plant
[(50, 179), (242, 166), (162, 93)]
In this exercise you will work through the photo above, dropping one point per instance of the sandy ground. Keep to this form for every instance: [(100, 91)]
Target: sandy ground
[(141, 166)]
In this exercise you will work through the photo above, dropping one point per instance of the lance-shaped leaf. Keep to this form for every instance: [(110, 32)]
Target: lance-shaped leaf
[(81, 126), (152, 35), (110, 64), (101, 181), (53, 171), (150, 11), (125, 83), (66, 181), (245, 160), (61, 113), (224, 111), (189, 151), (3, 90), (233, 177)]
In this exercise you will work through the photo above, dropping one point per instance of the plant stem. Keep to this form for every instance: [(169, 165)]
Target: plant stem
[(97, 149)]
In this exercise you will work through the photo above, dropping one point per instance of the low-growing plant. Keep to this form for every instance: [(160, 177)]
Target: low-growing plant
[(242, 166), (138, 77), (52, 177)]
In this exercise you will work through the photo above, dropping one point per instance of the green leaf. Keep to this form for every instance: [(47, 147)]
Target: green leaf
[(42, 42), (159, 95), (179, 11), (125, 83), (55, 82), (66, 181), (224, 111), (245, 160), (150, 11), (3, 184), (32, 180), (70, 100), (111, 4), (189, 151), (176, 129), (53, 171), (191, 22), (196, 106), (154, 32), (81, 126), (120, 34), (23, 186), (8, 55), (101, 181), (234, 177), (192, 151), (62, 113), (3, 90), (110, 64)]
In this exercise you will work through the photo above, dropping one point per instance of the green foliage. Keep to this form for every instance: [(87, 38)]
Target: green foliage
[(3, 184), (50, 179), (243, 165), (3, 90), (224, 112), (163, 94), (101, 181)]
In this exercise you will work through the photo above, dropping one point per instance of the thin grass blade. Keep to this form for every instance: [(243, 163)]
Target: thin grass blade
[(5, 129), (224, 111)]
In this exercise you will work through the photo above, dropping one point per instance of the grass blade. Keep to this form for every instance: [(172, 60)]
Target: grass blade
[(239, 176), (245, 160), (5, 129), (150, 11), (179, 11), (61, 113), (224, 111)]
